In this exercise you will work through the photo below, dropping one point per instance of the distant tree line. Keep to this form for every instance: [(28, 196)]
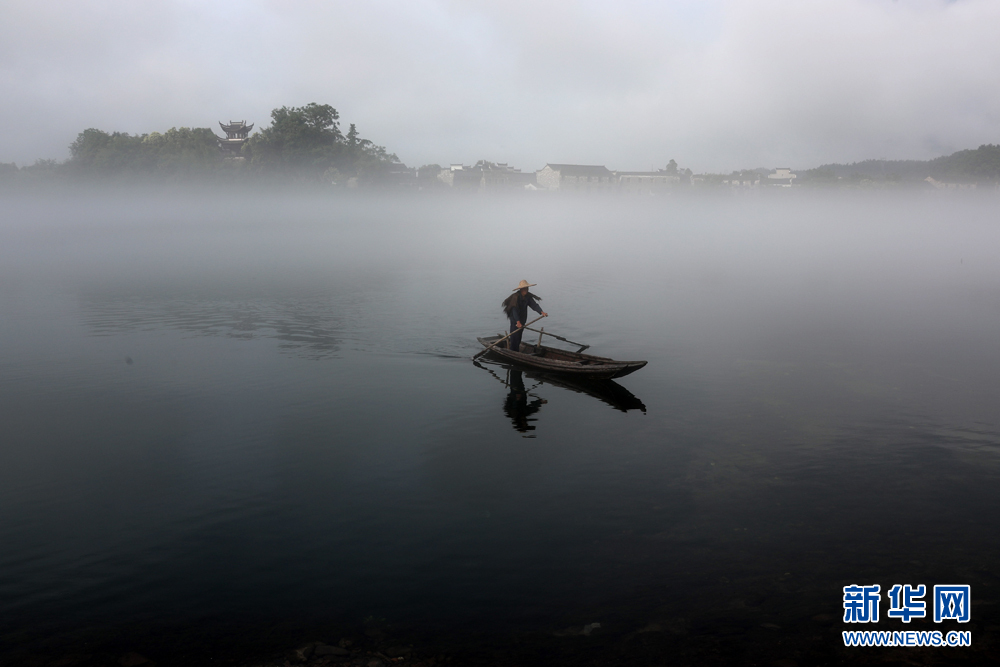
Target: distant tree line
[(301, 144), (306, 144), (969, 166), (177, 151)]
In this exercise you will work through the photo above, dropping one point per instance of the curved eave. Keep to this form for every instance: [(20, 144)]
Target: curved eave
[(236, 127)]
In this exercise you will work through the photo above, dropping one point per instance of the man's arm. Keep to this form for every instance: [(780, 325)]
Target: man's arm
[(535, 307)]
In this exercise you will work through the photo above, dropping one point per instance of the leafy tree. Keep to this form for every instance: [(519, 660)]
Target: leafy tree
[(181, 149), (307, 142), (9, 173), (981, 163), (429, 172), (40, 171), (88, 146), (299, 139), (824, 176), (370, 161), (175, 152)]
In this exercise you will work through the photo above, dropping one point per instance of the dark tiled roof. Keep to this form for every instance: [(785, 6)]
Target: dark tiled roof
[(580, 169), (236, 126)]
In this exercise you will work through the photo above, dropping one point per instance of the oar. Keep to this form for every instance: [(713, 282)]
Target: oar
[(565, 340), (494, 344)]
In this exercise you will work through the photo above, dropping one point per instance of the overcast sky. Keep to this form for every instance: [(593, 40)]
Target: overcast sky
[(715, 85)]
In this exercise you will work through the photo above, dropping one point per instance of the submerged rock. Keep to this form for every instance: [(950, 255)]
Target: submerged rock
[(304, 653), (133, 659), (578, 632), (324, 649), (398, 651)]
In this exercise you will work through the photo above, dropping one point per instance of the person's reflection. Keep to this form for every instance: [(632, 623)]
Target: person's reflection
[(517, 406)]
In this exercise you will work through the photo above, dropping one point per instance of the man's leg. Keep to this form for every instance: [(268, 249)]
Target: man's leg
[(514, 342)]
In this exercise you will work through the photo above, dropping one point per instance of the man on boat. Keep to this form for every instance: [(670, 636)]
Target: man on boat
[(516, 306)]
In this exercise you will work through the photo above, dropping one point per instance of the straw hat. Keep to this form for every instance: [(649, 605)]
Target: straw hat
[(524, 283)]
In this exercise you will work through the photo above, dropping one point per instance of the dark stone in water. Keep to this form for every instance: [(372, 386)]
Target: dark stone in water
[(69, 661), (398, 651), (303, 654), (133, 659), (581, 632), (324, 649)]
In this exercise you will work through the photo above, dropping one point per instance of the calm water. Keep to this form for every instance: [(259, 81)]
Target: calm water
[(242, 421)]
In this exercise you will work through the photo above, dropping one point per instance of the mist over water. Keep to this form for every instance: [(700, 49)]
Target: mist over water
[(243, 411)]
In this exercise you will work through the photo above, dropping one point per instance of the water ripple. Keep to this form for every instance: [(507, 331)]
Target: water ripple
[(307, 327)]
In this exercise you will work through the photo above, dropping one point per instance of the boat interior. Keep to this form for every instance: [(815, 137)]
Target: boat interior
[(556, 354)]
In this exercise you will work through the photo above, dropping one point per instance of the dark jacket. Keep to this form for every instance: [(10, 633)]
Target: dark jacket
[(516, 306)]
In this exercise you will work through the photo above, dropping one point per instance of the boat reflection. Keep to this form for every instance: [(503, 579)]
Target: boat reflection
[(522, 402), (517, 406)]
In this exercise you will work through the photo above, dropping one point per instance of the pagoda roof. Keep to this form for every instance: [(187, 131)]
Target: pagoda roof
[(236, 126)]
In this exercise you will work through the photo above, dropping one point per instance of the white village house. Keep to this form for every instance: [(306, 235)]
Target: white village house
[(782, 177), (575, 177)]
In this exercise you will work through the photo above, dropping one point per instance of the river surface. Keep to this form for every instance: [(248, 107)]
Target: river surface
[(235, 422)]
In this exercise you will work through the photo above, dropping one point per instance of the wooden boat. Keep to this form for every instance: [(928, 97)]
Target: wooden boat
[(555, 361)]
